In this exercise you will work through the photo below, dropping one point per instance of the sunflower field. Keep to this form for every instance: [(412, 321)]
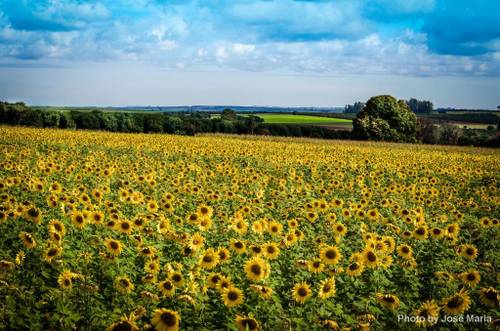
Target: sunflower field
[(110, 231)]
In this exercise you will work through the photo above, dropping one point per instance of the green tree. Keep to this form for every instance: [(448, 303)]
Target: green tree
[(420, 107), (387, 119), (449, 134), (228, 114)]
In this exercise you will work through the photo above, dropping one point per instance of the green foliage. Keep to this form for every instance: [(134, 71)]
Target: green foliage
[(386, 119), (420, 107), (228, 114)]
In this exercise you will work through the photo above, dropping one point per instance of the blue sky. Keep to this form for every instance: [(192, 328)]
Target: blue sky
[(295, 53)]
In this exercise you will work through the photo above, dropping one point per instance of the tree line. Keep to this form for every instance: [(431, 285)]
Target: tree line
[(160, 122), (382, 118), (415, 105)]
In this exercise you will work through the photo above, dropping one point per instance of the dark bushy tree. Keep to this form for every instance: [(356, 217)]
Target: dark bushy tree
[(386, 119), (228, 114), (420, 106)]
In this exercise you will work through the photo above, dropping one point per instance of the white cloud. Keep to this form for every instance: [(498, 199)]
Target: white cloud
[(242, 49)]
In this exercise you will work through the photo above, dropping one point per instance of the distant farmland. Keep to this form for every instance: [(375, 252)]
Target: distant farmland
[(339, 123)]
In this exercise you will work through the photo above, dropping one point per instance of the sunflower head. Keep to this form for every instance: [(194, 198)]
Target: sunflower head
[(470, 278), (232, 297), (257, 269), (244, 323), (301, 292), (330, 255), (389, 301), (326, 288), (456, 304), (166, 320), (490, 297)]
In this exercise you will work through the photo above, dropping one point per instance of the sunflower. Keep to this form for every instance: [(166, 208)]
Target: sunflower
[(123, 285), (177, 278), (57, 226), (326, 288), (386, 261), (246, 323), (20, 256), (196, 242), (437, 233), (420, 232), (148, 279), (213, 279), (457, 304), (264, 292), (204, 211), (485, 222), (311, 216), (373, 215), (489, 297), (238, 246), (147, 251), (371, 260), (205, 224), (152, 206), (165, 320), (315, 266), (271, 250), (331, 217), (289, 239), (232, 297), (470, 278), (152, 267), (78, 220), (65, 280), (240, 226), (380, 246), (33, 214), (301, 292), (256, 250), (427, 314), (112, 222), (468, 251), (97, 217), (390, 243), (113, 246), (330, 255), (28, 240), (167, 288), (355, 269), (125, 323), (452, 230), (125, 226), (51, 253), (406, 234), (331, 325), (6, 265), (223, 283), (293, 223), (404, 251), (209, 259), (257, 269), (389, 301), (339, 229), (274, 228)]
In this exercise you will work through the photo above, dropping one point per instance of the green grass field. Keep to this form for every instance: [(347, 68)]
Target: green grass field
[(302, 119)]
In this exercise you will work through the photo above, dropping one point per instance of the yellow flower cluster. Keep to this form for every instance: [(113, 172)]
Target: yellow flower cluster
[(137, 231)]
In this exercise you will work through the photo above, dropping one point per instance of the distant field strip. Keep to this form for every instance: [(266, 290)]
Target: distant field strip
[(302, 119)]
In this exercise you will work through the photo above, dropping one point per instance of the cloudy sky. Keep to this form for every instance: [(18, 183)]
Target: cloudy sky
[(283, 52)]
